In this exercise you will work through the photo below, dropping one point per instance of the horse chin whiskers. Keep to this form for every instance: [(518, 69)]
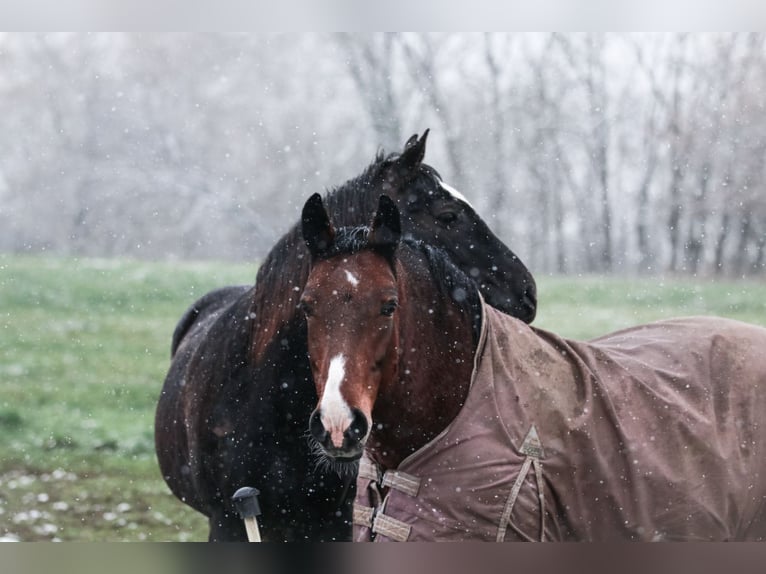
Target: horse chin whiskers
[(323, 462), (344, 468)]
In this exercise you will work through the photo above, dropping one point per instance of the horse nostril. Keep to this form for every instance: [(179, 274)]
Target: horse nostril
[(358, 428), (316, 428)]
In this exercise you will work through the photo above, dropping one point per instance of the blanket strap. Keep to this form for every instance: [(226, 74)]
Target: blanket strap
[(506, 517), (531, 447), (369, 470), (373, 517), (363, 515), (380, 523), (391, 527), (396, 479), (541, 494), (402, 482)]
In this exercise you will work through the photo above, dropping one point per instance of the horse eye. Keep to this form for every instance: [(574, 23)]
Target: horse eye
[(388, 308), (306, 307), (447, 217)]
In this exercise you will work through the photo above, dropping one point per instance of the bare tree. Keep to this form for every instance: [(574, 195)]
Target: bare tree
[(421, 52), (595, 80), (371, 63), (587, 152), (585, 57)]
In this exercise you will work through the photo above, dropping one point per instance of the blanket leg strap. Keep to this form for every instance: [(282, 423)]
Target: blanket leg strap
[(505, 520), (506, 517), (541, 494)]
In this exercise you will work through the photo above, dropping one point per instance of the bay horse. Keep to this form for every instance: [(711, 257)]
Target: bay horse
[(472, 425), (238, 393)]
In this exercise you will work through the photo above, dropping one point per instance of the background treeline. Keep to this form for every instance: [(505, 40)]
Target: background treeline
[(585, 152)]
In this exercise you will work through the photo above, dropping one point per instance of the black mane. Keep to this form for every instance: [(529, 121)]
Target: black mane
[(349, 204), (348, 240), (452, 282), (353, 202)]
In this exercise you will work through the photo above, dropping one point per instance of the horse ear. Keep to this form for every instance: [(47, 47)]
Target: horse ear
[(407, 164), (411, 142), (414, 151), (386, 228), (318, 232)]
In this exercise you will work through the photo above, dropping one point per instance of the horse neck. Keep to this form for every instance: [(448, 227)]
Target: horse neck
[(436, 347), (278, 286)]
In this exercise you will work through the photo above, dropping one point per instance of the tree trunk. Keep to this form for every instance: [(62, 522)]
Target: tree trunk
[(596, 84), (370, 64), (720, 244), (499, 184), (740, 255), (424, 69)]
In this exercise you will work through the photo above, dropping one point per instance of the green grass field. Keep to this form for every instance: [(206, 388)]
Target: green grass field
[(84, 346)]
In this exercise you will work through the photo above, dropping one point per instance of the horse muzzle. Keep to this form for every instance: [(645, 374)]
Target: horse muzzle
[(341, 441), (523, 305)]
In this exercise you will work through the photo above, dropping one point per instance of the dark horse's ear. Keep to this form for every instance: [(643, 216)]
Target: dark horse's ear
[(386, 228), (318, 232), (407, 164), (414, 151), (411, 142)]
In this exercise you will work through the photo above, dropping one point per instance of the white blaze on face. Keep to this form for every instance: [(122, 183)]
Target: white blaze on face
[(455, 193), (336, 414), (353, 279)]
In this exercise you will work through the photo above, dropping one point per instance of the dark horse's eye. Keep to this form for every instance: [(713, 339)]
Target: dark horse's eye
[(306, 307), (447, 217), (388, 308)]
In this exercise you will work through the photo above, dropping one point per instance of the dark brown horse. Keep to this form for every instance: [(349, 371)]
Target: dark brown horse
[(237, 398), (477, 426)]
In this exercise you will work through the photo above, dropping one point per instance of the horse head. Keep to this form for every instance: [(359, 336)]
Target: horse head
[(362, 289), (440, 215)]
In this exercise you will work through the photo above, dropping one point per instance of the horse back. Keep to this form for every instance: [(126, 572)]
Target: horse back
[(203, 308), (664, 428), (209, 341)]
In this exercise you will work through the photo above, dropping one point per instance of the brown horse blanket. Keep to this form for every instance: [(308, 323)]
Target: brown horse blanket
[(656, 432)]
